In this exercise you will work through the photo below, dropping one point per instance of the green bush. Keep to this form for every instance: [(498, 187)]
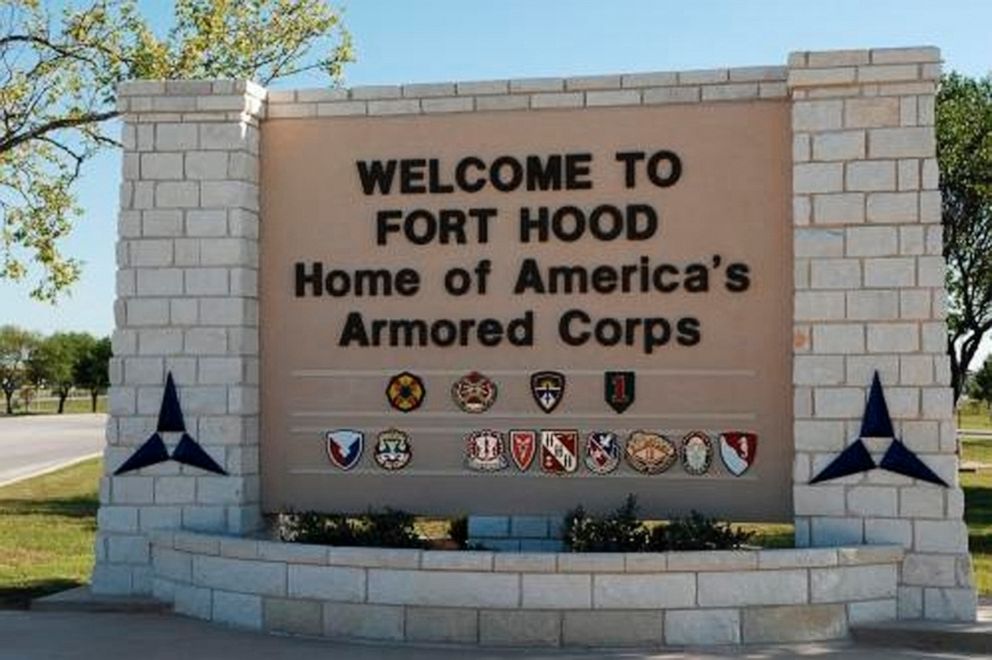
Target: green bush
[(388, 529), (623, 531)]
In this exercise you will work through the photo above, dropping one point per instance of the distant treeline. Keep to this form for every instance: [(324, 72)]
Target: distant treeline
[(59, 363)]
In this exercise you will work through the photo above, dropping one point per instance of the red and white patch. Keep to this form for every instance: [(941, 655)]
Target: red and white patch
[(559, 451), (738, 449), (523, 448)]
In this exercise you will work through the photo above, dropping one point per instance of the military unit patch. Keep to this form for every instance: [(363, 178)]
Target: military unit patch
[(559, 451), (548, 389), (405, 392), (484, 451), (344, 447), (392, 450), (523, 448), (602, 454), (737, 450), (474, 393), (650, 453), (697, 453), (619, 389)]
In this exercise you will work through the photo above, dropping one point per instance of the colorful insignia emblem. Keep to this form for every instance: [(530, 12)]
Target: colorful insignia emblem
[(484, 451), (697, 453), (523, 448), (474, 393), (559, 451), (602, 452), (650, 453), (738, 450), (405, 392), (344, 447), (619, 389), (392, 450), (548, 389)]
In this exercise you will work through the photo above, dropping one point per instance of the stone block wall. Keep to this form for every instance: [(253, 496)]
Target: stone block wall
[(532, 599), (187, 289), (869, 295)]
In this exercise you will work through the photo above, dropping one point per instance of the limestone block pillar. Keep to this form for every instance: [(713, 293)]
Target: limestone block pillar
[(869, 295), (187, 304)]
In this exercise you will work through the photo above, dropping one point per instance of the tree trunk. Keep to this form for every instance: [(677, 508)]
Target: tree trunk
[(9, 396), (63, 395), (93, 396)]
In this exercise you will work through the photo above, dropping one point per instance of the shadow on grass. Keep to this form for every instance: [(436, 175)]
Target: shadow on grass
[(20, 597), (80, 506)]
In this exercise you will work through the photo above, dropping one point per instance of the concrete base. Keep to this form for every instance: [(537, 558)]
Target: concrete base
[(930, 635), (82, 599)]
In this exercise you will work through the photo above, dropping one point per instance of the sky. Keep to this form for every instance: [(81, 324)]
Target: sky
[(406, 41)]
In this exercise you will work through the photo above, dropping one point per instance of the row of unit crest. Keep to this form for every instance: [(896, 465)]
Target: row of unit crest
[(476, 393), (559, 451)]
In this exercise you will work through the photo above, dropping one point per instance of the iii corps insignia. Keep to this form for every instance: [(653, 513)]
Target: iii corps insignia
[(650, 453), (392, 450), (738, 449), (548, 389), (523, 448), (559, 451), (344, 447), (697, 453), (484, 451), (602, 452), (405, 392), (619, 389), (474, 393)]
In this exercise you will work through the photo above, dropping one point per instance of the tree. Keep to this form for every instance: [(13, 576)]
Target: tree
[(92, 370), (980, 384), (58, 78), (16, 345), (964, 150), (52, 364)]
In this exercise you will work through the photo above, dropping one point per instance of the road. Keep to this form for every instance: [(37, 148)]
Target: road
[(33, 444), (77, 636)]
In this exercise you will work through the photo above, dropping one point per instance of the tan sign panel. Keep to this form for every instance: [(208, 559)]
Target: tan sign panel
[(400, 255)]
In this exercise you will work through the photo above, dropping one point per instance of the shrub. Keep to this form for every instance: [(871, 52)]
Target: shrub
[(458, 531), (623, 531), (696, 532), (388, 529)]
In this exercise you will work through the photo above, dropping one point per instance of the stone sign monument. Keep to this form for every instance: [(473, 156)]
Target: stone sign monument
[(719, 290)]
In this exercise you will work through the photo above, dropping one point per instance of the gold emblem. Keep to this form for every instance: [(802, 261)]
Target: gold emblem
[(650, 453)]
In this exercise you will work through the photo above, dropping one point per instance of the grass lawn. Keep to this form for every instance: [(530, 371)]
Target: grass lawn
[(47, 526), (50, 407), (973, 416), (46, 533)]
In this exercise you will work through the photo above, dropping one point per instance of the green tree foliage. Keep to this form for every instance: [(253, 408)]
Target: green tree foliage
[(92, 369), (59, 69), (52, 363), (980, 384), (16, 345), (964, 150)]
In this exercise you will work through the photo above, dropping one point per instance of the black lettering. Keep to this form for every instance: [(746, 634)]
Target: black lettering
[(637, 232), (539, 223), (414, 332), (610, 228), (376, 175), (544, 176), (738, 277), (383, 226), (561, 230), (565, 327), (461, 170), (500, 165), (629, 160), (567, 279), (412, 176), (659, 278), (689, 331), (407, 282), (434, 176), (429, 227), (520, 332), (604, 279), (657, 332), (444, 332), (490, 332), (483, 216), (697, 278), (314, 279), (576, 167), (655, 173), (529, 277), (354, 331)]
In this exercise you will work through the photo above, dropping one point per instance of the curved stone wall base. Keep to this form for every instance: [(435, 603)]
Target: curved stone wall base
[(521, 599)]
